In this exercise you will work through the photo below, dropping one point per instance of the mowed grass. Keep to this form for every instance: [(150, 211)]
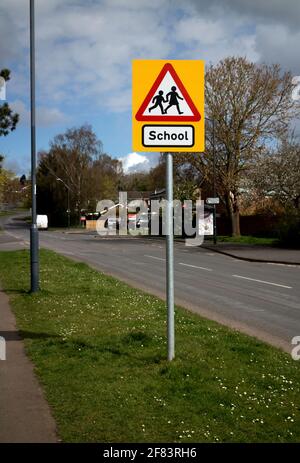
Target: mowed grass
[(99, 347), (248, 239)]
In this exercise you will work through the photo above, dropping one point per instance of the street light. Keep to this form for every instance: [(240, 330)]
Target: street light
[(214, 178), (34, 235), (68, 195)]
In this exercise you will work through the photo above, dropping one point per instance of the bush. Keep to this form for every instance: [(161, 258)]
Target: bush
[(289, 231)]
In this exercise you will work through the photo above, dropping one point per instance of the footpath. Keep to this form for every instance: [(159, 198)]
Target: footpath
[(24, 413), (256, 253)]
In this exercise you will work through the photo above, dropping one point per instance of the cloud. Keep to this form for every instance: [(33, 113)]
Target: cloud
[(213, 38), (13, 165), (277, 44), (84, 48), (45, 116), (134, 162)]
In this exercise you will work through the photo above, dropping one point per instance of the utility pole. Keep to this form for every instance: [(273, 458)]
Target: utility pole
[(170, 256), (214, 181), (34, 235)]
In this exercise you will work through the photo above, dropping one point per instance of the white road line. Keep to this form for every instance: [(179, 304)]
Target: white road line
[(13, 235), (153, 257), (283, 265), (262, 281), (195, 266)]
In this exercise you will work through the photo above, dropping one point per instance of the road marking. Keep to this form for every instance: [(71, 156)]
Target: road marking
[(283, 265), (195, 266), (153, 257), (262, 281)]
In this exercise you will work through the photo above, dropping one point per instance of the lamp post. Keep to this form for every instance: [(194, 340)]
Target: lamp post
[(68, 198), (214, 178), (34, 235)]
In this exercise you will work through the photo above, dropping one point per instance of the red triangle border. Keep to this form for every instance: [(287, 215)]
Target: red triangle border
[(168, 68)]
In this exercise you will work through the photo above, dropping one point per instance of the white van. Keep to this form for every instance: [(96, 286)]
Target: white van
[(42, 222)]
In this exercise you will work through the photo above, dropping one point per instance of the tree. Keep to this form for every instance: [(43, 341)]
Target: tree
[(10, 191), (105, 174), (8, 119), (277, 175), (157, 175), (75, 163), (135, 181), (70, 157), (249, 104)]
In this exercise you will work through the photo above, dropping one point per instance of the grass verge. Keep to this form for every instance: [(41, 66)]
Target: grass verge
[(99, 349), (248, 239)]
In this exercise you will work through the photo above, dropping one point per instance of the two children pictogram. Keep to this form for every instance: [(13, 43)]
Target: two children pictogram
[(172, 98)]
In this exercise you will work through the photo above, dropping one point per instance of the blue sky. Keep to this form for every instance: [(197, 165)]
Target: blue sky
[(84, 51)]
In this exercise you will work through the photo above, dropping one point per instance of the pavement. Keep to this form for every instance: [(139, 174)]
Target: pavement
[(257, 253), (25, 416)]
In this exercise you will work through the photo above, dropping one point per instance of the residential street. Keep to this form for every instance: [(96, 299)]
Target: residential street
[(258, 298)]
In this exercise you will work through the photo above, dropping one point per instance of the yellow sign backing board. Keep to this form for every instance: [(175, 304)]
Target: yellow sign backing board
[(168, 105)]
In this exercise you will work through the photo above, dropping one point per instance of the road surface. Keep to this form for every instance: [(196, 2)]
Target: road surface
[(260, 299)]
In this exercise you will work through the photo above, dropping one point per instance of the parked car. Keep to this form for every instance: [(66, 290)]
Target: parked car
[(42, 222), (143, 220), (112, 223)]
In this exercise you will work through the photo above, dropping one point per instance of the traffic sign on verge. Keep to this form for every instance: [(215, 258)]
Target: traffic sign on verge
[(168, 115), (168, 105), (213, 200)]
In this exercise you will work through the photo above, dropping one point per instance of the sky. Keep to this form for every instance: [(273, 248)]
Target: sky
[(84, 50)]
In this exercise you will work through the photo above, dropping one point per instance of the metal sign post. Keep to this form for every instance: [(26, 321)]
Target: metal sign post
[(170, 256), (168, 116), (34, 236)]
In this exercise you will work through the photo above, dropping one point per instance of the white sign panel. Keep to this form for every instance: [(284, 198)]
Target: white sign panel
[(206, 224), (213, 201), (2, 88), (168, 135)]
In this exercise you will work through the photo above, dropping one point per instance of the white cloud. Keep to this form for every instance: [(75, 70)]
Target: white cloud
[(134, 162), (45, 116), (84, 48), (200, 29), (277, 44), (13, 165)]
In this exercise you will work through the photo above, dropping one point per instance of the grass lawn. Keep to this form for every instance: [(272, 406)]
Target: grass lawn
[(5, 213), (247, 239), (10, 212), (99, 348)]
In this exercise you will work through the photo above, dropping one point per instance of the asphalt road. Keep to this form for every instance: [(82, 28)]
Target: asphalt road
[(260, 299)]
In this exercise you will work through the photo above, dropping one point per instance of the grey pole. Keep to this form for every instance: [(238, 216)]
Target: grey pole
[(170, 256), (68, 207), (214, 181), (34, 236)]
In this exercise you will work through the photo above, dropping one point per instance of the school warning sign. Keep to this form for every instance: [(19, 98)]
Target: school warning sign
[(168, 105)]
